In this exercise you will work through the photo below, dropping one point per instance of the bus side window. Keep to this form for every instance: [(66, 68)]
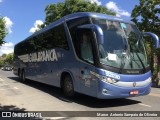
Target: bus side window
[(86, 53)]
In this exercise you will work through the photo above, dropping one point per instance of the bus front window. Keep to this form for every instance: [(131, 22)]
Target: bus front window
[(123, 45)]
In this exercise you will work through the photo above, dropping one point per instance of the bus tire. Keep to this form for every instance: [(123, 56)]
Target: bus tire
[(23, 77), (68, 88), (19, 74)]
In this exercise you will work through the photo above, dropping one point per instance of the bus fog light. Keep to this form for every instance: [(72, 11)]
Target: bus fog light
[(104, 91), (109, 80)]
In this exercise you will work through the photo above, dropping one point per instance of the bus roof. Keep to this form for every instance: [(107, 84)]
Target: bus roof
[(88, 14), (94, 14), (77, 15)]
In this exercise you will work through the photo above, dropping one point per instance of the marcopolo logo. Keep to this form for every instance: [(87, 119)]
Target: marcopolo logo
[(47, 55), (134, 84)]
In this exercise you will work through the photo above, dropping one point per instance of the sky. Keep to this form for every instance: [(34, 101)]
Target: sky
[(23, 16)]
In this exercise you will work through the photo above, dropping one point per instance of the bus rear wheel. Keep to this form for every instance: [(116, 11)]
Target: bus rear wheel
[(68, 88), (23, 77)]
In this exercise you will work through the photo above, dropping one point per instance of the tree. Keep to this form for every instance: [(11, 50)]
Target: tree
[(4, 55), (6, 59), (9, 59), (147, 17), (56, 11), (3, 31), (2, 59)]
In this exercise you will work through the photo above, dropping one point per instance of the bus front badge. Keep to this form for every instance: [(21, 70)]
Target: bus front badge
[(134, 84)]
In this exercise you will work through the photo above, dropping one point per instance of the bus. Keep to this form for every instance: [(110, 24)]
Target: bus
[(89, 53)]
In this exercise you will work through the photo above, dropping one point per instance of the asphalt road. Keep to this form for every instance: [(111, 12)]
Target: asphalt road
[(33, 96)]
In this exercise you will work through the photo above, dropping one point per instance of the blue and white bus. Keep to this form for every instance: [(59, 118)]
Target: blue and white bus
[(90, 53)]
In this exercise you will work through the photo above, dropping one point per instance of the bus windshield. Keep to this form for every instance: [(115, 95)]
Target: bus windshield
[(123, 45)]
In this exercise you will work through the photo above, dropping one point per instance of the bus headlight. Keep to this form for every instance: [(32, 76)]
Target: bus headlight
[(149, 79), (104, 78), (109, 80)]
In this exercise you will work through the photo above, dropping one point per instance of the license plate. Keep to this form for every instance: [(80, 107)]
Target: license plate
[(134, 92)]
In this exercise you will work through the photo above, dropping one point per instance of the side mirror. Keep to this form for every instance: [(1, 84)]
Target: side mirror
[(96, 29), (155, 37)]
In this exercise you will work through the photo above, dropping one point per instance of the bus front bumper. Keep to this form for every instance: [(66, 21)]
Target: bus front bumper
[(111, 91)]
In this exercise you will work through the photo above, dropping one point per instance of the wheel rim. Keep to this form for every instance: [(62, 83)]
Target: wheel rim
[(68, 87)]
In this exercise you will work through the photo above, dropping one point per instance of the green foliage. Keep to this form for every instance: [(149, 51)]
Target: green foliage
[(57, 11), (4, 55), (3, 31), (147, 16), (1, 62), (6, 59), (9, 58)]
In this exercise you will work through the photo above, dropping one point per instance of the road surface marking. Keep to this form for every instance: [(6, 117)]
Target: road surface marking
[(16, 88), (4, 84), (145, 105), (154, 94), (1, 79), (8, 88)]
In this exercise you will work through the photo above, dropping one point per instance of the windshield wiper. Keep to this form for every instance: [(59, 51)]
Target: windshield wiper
[(139, 38), (122, 58), (123, 55), (144, 69), (122, 64)]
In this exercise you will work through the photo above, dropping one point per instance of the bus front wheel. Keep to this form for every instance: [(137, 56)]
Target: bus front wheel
[(68, 87)]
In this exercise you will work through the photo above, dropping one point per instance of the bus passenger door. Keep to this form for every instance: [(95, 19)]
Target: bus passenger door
[(88, 83)]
